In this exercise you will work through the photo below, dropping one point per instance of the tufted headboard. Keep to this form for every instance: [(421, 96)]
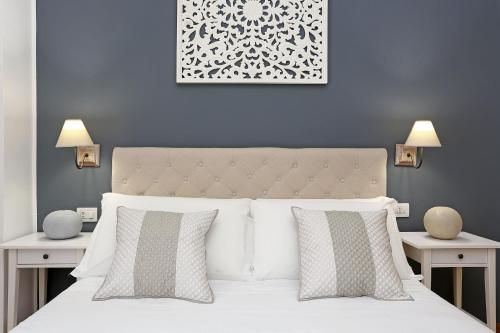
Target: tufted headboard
[(250, 172)]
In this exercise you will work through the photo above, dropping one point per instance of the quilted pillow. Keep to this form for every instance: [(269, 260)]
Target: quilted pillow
[(159, 254), (346, 253)]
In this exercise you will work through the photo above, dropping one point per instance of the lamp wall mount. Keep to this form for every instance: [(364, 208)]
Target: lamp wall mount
[(88, 156), (405, 155)]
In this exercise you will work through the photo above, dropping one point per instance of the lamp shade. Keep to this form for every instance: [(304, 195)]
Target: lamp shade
[(74, 134), (423, 135)]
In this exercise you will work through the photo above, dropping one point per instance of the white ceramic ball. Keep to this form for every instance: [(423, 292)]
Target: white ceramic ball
[(62, 224), (443, 222)]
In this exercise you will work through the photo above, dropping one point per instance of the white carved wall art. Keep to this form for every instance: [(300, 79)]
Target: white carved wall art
[(252, 41)]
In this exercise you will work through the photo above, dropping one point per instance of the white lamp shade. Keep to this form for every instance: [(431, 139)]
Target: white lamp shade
[(423, 135), (74, 134)]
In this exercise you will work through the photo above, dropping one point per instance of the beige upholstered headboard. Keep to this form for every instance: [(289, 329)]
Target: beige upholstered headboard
[(250, 172)]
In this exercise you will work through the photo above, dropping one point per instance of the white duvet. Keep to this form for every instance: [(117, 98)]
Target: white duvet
[(244, 307)]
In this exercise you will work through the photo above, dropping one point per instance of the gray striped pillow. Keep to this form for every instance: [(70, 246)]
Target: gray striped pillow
[(346, 254), (159, 254)]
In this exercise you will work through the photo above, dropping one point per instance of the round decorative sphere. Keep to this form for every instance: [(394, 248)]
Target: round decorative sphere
[(62, 224), (443, 222)]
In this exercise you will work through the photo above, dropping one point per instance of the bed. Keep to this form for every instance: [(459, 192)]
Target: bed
[(260, 306), (255, 305)]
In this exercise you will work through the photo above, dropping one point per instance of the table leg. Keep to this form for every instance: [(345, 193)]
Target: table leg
[(3, 288), (426, 267), (42, 287), (35, 288), (457, 286), (490, 289), (13, 290)]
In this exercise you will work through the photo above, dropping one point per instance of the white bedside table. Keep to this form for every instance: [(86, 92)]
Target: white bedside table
[(36, 251), (467, 250)]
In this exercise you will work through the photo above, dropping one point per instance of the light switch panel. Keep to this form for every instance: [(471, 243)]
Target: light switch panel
[(88, 214), (403, 210)]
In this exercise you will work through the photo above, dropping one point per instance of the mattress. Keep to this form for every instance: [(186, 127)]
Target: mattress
[(244, 307)]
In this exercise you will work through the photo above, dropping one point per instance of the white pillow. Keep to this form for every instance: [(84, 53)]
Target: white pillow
[(276, 253), (225, 243)]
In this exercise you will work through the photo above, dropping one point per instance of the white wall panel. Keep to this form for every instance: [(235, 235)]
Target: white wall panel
[(17, 131)]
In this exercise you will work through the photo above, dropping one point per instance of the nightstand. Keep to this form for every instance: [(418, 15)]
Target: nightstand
[(36, 251), (467, 250)]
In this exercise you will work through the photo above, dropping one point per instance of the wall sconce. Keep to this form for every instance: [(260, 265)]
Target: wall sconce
[(422, 135), (74, 134)]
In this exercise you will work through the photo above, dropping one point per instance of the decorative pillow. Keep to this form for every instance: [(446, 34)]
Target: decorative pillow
[(344, 253), (159, 254), (227, 255), (276, 249)]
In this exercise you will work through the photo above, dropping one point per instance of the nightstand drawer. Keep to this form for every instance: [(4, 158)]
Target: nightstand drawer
[(40, 257), (459, 256)]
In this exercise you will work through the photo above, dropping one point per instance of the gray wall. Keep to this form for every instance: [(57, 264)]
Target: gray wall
[(112, 63)]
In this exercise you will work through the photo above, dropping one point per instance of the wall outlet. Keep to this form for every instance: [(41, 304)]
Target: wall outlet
[(403, 210), (88, 214)]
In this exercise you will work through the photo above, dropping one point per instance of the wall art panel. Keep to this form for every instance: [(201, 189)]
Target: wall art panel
[(252, 41)]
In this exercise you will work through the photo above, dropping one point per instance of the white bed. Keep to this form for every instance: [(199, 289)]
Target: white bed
[(249, 306), (244, 307)]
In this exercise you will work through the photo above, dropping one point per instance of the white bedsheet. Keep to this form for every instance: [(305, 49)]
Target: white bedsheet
[(244, 307)]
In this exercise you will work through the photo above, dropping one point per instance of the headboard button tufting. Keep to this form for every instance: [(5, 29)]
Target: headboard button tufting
[(247, 172)]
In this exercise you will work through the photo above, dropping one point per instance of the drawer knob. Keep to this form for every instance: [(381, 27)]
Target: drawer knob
[(45, 256), (460, 256)]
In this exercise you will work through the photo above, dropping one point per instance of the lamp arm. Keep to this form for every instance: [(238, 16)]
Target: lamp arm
[(419, 160), (79, 165)]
